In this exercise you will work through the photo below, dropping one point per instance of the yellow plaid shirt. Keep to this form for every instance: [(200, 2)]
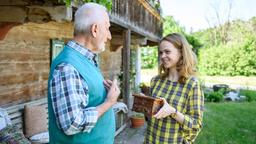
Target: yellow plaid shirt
[(188, 99)]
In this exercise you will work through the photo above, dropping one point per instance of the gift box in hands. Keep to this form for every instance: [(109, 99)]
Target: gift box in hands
[(146, 104)]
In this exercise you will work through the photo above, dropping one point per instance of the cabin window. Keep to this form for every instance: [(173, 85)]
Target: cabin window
[(56, 47)]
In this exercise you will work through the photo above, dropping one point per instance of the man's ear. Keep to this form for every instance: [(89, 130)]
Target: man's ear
[(94, 30)]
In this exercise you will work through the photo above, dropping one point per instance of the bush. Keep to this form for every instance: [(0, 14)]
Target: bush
[(231, 59), (249, 94), (149, 57), (215, 96), (223, 87)]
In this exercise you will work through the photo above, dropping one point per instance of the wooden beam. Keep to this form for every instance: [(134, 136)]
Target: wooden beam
[(118, 40), (57, 13), (14, 3), (150, 36), (22, 14), (151, 9), (13, 14), (126, 66)]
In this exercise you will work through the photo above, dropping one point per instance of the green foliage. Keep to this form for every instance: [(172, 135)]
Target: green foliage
[(215, 96), (132, 73), (132, 70), (249, 94), (235, 56), (233, 59), (106, 3), (172, 26), (194, 42), (137, 115), (155, 4), (149, 57)]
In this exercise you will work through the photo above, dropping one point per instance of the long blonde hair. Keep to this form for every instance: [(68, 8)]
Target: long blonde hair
[(186, 66)]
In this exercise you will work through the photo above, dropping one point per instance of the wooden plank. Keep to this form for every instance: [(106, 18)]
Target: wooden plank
[(118, 40), (137, 29), (19, 126), (18, 120), (120, 129), (15, 114), (42, 101), (13, 14)]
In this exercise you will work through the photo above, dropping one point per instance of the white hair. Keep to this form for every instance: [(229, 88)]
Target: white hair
[(87, 15)]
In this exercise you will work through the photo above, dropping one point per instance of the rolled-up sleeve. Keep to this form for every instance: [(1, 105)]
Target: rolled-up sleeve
[(69, 95), (194, 116)]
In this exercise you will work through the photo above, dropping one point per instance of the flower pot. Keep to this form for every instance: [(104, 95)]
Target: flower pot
[(137, 122)]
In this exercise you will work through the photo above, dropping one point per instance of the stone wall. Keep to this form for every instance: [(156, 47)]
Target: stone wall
[(110, 62)]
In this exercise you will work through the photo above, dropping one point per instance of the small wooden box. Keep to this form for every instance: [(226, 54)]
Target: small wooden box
[(146, 104)]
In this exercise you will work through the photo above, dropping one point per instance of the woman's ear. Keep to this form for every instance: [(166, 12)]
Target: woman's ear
[(94, 30)]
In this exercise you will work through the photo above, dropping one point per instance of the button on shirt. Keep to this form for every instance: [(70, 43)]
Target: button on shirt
[(69, 95)]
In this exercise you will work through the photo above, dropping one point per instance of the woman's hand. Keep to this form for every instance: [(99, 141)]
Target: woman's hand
[(165, 111)]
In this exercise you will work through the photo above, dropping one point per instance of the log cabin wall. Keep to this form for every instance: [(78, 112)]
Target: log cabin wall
[(27, 26), (25, 58)]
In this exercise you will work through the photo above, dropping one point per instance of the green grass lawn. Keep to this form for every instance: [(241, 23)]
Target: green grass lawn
[(229, 123)]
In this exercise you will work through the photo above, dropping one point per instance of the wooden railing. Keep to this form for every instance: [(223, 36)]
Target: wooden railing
[(138, 14)]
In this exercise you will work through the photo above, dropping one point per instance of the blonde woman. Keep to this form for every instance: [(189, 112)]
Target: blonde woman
[(180, 118)]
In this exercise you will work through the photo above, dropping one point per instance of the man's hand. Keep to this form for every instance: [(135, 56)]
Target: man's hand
[(107, 83), (165, 111), (113, 91)]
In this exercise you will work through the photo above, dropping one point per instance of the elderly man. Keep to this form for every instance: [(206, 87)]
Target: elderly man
[(79, 99)]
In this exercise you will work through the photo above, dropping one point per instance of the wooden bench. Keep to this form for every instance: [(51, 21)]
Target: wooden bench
[(16, 114)]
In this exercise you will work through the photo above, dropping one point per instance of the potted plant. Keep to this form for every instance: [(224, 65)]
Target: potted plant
[(137, 120), (145, 89)]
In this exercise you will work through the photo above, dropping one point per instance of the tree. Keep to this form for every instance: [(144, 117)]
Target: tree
[(220, 22), (172, 26), (149, 55), (236, 57)]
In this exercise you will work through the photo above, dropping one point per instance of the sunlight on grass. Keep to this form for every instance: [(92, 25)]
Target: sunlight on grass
[(228, 123), (147, 74), (239, 80)]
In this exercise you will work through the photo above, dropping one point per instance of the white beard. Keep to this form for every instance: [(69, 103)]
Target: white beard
[(101, 48)]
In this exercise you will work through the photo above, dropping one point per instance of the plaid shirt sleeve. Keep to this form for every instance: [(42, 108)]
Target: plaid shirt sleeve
[(69, 95), (194, 116)]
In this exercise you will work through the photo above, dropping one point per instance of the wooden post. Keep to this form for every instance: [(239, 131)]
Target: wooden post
[(126, 66), (138, 66)]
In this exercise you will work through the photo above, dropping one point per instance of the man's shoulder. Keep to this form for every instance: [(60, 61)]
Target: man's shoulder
[(65, 67)]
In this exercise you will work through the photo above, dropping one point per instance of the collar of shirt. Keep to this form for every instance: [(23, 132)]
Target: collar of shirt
[(84, 51)]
